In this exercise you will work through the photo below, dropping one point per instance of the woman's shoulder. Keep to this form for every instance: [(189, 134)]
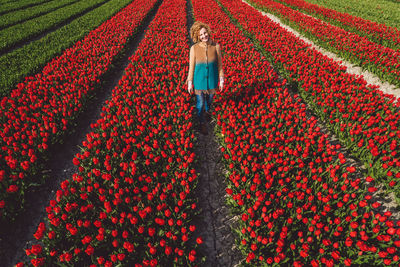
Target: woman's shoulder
[(193, 48), (214, 43)]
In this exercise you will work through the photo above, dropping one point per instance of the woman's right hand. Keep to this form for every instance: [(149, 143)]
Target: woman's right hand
[(190, 87)]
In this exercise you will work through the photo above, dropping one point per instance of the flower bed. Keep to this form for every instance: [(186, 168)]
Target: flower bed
[(40, 110), (379, 33), (131, 202), (381, 60), (299, 202), (362, 117)]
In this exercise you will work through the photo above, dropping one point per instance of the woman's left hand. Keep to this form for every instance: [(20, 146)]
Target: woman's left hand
[(221, 84)]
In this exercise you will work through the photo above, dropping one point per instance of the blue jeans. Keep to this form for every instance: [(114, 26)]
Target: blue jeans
[(203, 101)]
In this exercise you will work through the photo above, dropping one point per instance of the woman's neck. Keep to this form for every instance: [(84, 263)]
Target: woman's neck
[(204, 43)]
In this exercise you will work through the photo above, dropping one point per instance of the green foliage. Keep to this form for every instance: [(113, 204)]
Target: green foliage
[(377, 37), (12, 18), (32, 57), (31, 28), (381, 11), (8, 6), (361, 60)]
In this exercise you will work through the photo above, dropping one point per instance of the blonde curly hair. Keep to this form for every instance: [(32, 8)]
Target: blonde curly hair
[(195, 30)]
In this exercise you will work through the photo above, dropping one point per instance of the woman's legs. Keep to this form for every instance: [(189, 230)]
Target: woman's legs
[(209, 100), (199, 105), (203, 101)]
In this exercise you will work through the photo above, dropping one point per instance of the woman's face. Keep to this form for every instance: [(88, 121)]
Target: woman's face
[(203, 35)]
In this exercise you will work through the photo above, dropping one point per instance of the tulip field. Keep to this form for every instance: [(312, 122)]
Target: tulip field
[(299, 199), (376, 57)]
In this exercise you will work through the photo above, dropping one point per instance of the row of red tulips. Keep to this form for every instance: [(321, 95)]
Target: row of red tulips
[(299, 202), (41, 110), (362, 117), (131, 203), (378, 33), (381, 60)]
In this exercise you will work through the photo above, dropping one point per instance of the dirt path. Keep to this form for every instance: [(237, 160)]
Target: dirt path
[(215, 220)]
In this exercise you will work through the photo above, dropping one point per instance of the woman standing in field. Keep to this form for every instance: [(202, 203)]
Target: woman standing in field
[(205, 71)]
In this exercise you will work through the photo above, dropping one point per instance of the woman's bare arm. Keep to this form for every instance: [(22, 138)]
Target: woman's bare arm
[(219, 54), (191, 64)]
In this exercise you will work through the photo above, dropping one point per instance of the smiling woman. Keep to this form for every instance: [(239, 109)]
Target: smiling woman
[(205, 67)]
